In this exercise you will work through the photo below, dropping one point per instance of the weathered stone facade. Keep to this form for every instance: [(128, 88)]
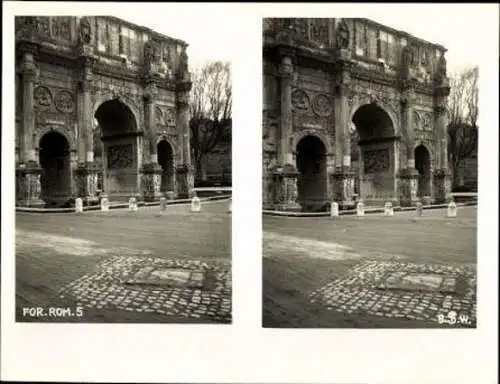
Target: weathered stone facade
[(322, 78), (101, 104)]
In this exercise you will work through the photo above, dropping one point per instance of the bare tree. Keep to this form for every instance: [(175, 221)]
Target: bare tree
[(211, 107), (462, 114)]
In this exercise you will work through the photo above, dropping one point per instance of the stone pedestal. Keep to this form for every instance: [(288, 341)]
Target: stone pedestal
[(442, 186), (86, 183), (408, 187), (343, 187), (151, 182), (185, 181), (28, 187), (285, 188)]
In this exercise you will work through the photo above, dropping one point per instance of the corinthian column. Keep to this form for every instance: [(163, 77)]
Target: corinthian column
[(185, 173), (408, 176), (151, 172), (285, 175), (28, 188), (442, 176)]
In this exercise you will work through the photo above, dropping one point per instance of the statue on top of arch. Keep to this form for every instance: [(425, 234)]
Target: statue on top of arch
[(84, 31), (342, 35)]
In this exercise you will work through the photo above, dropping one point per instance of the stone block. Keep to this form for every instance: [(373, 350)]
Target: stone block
[(334, 209), (132, 204), (78, 205), (104, 204), (360, 209), (170, 195), (452, 210), (388, 209), (195, 204), (163, 204), (419, 209)]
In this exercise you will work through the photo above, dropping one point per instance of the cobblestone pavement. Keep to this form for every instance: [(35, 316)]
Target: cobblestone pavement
[(395, 289), (180, 288)]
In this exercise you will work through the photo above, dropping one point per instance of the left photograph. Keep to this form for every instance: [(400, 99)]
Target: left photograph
[(123, 173)]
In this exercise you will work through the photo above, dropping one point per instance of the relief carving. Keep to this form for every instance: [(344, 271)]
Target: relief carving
[(43, 96), (322, 105), (426, 122), (61, 27), (64, 101), (120, 156), (416, 121), (376, 160), (43, 25), (319, 30), (300, 101)]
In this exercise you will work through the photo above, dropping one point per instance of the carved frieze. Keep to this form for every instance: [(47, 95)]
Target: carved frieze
[(120, 156), (300, 101), (376, 160), (64, 101), (43, 96), (308, 122), (322, 105)]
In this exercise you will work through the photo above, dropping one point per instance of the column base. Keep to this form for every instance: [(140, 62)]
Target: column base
[(151, 182), (28, 187), (442, 186), (408, 187), (285, 188), (86, 183), (185, 181), (343, 187)]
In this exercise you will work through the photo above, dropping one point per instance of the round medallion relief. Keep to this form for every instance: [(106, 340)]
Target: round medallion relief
[(43, 96), (64, 101), (322, 105), (300, 100)]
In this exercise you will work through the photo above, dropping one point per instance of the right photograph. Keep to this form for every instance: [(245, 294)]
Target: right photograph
[(369, 174)]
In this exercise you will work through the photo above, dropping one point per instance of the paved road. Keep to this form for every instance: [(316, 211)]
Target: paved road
[(316, 265), (53, 251)]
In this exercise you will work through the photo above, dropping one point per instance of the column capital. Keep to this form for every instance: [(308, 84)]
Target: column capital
[(182, 99), (442, 90), (286, 67), (150, 92)]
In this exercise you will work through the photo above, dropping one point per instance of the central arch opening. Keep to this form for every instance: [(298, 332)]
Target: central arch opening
[(119, 150), (312, 178), (54, 157), (423, 166), (166, 161), (374, 144)]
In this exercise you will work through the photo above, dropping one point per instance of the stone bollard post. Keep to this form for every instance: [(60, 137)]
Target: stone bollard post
[(195, 204), (452, 209), (334, 209), (132, 204), (419, 209), (170, 195), (78, 205), (360, 209), (163, 204), (104, 204), (230, 206), (388, 209)]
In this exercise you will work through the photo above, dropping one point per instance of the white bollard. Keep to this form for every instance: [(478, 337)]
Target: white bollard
[(104, 204), (163, 204), (78, 205), (452, 209), (360, 209), (388, 209), (230, 206), (334, 209), (132, 204), (195, 204), (419, 209)]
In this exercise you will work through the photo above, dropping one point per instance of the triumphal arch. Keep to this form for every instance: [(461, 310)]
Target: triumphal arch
[(352, 110), (101, 107)]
